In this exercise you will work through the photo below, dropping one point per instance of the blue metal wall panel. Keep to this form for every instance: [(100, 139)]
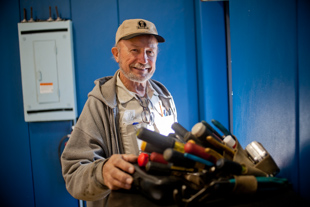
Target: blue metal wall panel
[(94, 26), (304, 95), (49, 184), (176, 62), (16, 174), (264, 74), (212, 63)]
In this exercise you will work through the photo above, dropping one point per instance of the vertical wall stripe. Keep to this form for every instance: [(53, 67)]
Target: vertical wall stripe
[(297, 150), (304, 96), (229, 75), (198, 42), (31, 164), (117, 11), (70, 5)]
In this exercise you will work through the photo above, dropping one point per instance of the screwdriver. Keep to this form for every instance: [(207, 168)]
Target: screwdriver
[(221, 127), (159, 140)]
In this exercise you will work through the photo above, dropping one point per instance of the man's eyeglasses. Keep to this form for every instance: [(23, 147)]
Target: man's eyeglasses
[(147, 116)]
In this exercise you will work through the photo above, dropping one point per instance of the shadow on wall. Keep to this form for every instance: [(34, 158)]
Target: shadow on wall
[(300, 180), (304, 169)]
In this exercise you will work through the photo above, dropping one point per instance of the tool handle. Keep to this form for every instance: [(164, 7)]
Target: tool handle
[(157, 157), (220, 127), (156, 139), (179, 129), (177, 158), (229, 167), (143, 158), (147, 147), (197, 150)]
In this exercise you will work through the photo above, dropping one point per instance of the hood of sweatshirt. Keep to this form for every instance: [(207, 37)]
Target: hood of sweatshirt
[(105, 90)]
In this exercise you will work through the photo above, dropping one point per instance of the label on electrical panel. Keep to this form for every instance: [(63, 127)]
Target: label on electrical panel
[(46, 87)]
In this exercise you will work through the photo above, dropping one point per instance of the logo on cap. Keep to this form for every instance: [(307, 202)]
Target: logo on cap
[(142, 25)]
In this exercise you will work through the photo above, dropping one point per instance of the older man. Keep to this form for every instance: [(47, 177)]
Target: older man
[(99, 154)]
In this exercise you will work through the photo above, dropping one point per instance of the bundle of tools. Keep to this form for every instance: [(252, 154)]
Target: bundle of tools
[(202, 166)]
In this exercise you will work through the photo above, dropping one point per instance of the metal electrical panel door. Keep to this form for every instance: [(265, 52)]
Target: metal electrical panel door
[(46, 71), (47, 66)]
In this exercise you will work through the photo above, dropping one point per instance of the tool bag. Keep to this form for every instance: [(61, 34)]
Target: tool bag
[(233, 171)]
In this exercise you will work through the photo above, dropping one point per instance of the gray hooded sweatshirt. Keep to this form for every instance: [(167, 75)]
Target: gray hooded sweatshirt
[(95, 138)]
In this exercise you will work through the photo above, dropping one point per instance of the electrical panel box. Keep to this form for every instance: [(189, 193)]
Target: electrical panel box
[(47, 67)]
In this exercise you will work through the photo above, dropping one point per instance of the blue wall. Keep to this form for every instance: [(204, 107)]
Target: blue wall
[(212, 62), (303, 34), (16, 171), (270, 81), (30, 172), (270, 73)]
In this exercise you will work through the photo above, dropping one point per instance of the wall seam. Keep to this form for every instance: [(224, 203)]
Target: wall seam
[(118, 14), (229, 68), (197, 23), (70, 3), (297, 103), (31, 165), (19, 11)]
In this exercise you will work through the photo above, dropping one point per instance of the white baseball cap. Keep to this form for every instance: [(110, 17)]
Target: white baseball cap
[(134, 27)]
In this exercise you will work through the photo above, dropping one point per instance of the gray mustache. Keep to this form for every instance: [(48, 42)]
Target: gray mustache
[(140, 65)]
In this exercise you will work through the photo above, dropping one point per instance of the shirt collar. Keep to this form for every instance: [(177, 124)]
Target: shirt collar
[(124, 95)]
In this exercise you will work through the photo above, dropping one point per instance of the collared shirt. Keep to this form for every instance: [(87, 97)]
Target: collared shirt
[(130, 112)]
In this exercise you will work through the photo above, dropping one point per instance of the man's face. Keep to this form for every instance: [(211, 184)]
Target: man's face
[(137, 57)]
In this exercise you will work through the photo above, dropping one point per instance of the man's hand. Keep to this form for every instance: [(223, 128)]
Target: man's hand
[(116, 171)]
